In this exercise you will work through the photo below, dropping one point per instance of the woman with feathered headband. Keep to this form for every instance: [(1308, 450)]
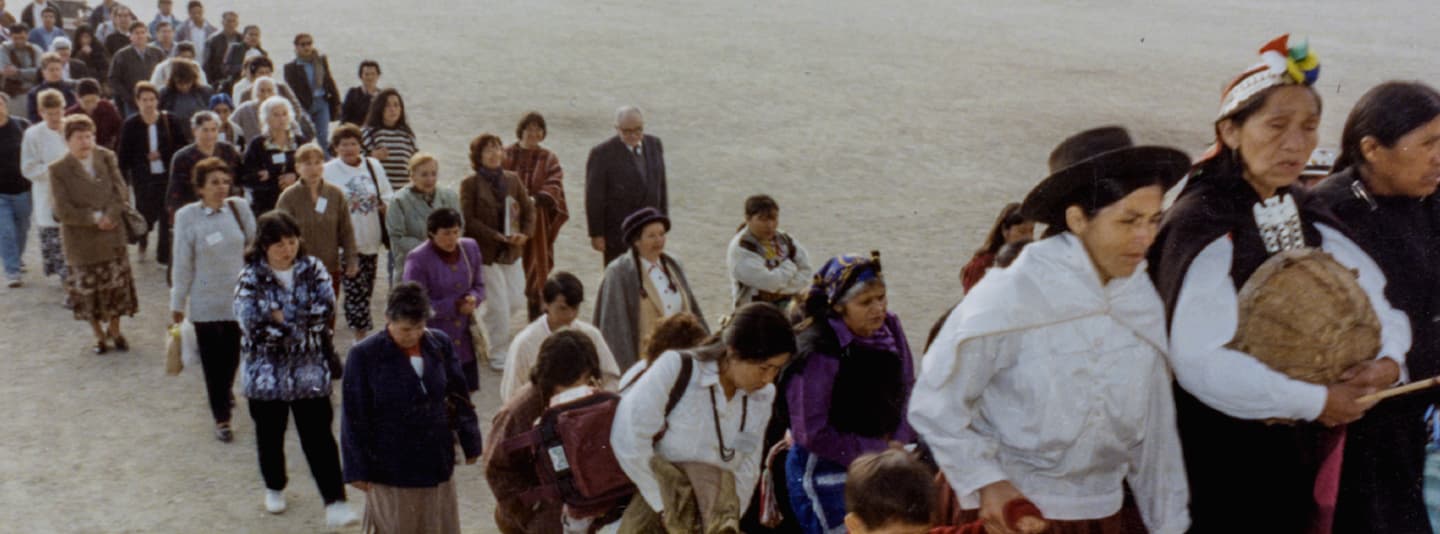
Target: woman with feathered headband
[(1238, 208)]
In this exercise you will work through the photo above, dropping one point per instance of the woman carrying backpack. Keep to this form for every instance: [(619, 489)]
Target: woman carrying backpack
[(688, 432), (566, 369), (398, 434), (848, 394)]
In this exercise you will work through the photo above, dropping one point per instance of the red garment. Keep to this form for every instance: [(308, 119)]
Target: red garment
[(107, 122), (975, 270), (540, 171)]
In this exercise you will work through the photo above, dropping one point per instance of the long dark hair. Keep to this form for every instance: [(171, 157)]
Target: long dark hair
[(1009, 217), (1386, 112), (756, 332), (271, 228), (375, 119), (565, 357)]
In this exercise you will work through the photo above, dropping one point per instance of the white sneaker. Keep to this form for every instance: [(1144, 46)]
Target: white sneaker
[(497, 362), (274, 501), (338, 514)]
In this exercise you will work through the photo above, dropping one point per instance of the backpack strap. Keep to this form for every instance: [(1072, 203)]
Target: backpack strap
[(677, 391)]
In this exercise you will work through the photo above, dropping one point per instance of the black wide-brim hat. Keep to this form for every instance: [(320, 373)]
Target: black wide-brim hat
[(637, 221), (1079, 163)]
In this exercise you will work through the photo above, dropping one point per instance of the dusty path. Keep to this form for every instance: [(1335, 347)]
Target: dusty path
[(875, 126)]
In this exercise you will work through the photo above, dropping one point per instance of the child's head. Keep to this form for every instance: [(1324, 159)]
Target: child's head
[(888, 492)]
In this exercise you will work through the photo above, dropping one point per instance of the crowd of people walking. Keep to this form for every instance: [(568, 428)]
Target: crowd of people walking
[(1085, 383)]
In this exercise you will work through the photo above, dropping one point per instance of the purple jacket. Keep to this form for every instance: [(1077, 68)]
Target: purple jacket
[(810, 390), (446, 285)]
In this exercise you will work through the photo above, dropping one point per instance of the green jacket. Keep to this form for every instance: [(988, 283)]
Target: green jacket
[(405, 219)]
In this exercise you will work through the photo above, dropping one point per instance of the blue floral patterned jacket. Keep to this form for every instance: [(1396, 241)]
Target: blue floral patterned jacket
[(285, 361)]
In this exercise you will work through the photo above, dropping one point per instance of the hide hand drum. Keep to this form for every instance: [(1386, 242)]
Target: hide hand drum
[(1304, 314)]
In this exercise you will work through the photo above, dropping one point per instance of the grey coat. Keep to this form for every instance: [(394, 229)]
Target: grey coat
[(621, 305)]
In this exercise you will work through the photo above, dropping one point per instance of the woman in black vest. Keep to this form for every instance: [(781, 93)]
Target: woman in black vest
[(1237, 209), (1383, 190)]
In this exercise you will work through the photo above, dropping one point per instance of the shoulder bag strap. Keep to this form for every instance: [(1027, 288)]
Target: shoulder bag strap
[(376, 181), (236, 213), (379, 199), (469, 275)]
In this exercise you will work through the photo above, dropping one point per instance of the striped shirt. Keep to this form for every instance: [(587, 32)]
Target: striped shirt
[(401, 145)]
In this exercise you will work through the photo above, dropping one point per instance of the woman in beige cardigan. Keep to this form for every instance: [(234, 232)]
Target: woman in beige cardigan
[(89, 197), (323, 215)]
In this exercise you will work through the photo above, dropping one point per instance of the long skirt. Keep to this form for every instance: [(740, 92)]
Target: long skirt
[(102, 291), (52, 253), (391, 509)]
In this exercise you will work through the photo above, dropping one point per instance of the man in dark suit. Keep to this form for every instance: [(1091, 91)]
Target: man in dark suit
[(309, 76), (218, 46), (133, 64), (623, 174)]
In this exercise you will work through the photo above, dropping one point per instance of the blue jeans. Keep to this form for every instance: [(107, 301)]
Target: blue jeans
[(14, 228), (320, 115)]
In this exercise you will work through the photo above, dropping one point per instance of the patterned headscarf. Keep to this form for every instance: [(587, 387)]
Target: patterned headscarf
[(837, 277)]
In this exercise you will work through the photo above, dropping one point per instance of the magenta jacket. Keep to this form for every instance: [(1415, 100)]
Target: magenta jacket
[(850, 394), (446, 285)]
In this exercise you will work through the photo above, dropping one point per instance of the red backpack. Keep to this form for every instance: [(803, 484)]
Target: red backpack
[(570, 449)]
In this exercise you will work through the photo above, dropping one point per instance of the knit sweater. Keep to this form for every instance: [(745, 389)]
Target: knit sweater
[(324, 223), (208, 257), (41, 147), (401, 145)]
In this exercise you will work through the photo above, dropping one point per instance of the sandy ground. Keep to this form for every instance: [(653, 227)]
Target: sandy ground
[(875, 125)]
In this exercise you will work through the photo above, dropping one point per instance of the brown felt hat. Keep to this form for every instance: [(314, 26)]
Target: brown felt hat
[(1080, 161)]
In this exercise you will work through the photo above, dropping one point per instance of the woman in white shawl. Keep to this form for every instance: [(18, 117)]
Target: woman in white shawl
[(1047, 389)]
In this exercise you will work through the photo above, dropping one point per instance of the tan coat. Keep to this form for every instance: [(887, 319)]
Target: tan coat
[(78, 196), (483, 211), (323, 234)]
